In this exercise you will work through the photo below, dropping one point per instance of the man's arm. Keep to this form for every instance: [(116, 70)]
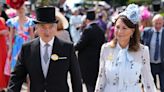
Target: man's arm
[(18, 75), (75, 72), (84, 40)]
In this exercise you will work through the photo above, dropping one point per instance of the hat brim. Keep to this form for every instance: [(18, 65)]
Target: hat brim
[(63, 19), (41, 22)]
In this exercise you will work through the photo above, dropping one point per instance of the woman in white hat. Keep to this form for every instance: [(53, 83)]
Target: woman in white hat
[(61, 26)]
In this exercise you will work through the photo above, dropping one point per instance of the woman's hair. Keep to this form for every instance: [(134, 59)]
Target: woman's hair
[(146, 22), (134, 43), (59, 24)]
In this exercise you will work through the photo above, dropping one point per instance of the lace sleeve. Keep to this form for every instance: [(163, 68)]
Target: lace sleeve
[(100, 84), (146, 76)]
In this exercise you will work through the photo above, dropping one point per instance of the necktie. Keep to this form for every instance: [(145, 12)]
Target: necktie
[(156, 54), (46, 56)]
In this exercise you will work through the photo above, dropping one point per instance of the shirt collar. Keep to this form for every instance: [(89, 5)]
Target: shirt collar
[(156, 30), (50, 42), (125, 51), (92, 22), (120, 48)]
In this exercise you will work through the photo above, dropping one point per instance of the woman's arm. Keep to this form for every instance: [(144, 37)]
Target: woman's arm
[(101, 80), (3, 27), (11, 36), (3, 32), (31, 31), (146, 76)]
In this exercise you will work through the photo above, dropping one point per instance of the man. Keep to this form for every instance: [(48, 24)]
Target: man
[(88, 49), (46, 59), (153, 37)]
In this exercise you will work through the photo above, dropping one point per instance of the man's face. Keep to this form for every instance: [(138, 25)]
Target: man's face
[(46, 31), (158, 23)]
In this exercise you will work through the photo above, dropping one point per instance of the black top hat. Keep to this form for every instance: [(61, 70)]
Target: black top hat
[(91, 15), (45, 15)]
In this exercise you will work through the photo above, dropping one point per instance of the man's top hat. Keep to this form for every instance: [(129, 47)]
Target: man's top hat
[(90, 15), (45, 15)]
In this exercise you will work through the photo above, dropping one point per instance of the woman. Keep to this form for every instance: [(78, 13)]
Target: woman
[(61, 26), (145, 18), (3, 54), (124, 59), (75, 22), (21, 31)]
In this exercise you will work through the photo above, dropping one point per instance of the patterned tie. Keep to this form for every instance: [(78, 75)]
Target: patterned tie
[(156, 54), (46, 56)]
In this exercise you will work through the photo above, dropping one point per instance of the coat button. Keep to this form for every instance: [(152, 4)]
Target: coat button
[(45, 84)]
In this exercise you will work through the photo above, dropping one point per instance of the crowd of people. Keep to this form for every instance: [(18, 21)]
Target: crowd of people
[(107, 50)]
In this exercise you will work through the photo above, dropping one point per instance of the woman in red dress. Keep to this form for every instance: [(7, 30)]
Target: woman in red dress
[(3, 54)]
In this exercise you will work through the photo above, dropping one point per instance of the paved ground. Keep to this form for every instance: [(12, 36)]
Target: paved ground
[(24, 87)]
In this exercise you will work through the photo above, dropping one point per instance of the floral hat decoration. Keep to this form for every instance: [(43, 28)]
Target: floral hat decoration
[(132, 13)]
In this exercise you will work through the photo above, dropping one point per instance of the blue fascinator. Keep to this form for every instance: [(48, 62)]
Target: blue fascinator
[(132, 13)]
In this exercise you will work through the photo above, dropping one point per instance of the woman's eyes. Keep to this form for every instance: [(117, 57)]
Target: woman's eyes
[(117, 27), (124, 28)]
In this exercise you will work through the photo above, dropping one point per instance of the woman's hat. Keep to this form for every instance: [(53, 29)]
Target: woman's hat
[(132, 13), (62, 18), (45, 14), (16, 4), (144, 13)]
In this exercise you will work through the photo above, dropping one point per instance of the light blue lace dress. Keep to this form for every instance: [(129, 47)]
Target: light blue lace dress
[(120, 70)]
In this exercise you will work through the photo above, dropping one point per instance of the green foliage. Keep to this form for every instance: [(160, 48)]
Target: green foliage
[(47, 2), (93, 0), (140, 1), (117, 3), (162, 13)]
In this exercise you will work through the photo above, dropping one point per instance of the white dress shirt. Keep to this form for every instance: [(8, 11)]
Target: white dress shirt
[(45, 66), (153, 45)]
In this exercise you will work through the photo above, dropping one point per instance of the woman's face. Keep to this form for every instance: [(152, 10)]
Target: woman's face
[(21, 10), (122, 31)]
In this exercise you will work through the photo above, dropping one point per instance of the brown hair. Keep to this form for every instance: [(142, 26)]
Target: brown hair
[(134, 43), (59, 24), (146, 22)]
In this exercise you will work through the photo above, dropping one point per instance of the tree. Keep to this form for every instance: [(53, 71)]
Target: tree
[(45, 2), (140, 1), (116, 3)]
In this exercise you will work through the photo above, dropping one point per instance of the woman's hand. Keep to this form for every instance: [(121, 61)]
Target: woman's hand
[(4, 32)]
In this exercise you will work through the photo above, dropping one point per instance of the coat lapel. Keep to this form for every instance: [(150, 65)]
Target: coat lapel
[(162, 38), (37, 57), (162, 45), (55, 50), (150, 36)]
